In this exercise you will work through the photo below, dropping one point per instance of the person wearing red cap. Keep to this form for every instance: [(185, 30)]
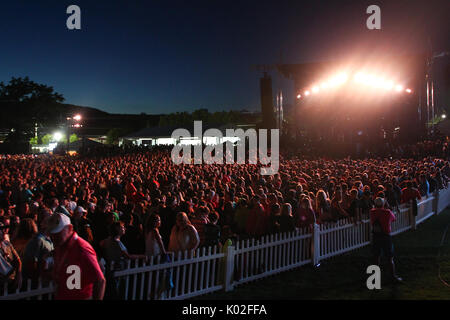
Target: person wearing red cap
[(73, 254)]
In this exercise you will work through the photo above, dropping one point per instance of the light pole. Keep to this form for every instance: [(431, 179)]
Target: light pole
[(73, 122)]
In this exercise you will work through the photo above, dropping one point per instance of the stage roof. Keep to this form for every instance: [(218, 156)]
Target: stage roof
[(410, 67)]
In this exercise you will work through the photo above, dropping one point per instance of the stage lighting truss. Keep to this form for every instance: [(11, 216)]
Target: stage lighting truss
[(359, 79)]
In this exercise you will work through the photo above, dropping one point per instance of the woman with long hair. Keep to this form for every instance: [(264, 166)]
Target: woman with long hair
[(183, 235), (323, 206), (153, 242), (337, 206), (115, 254), (287, 223), (306, 215), (26, 230)]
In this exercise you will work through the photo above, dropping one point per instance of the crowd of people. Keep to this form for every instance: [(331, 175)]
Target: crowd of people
[(139, 204)]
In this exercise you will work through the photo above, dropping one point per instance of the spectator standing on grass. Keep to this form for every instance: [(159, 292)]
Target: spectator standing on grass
[(71, 250), (380, 220)]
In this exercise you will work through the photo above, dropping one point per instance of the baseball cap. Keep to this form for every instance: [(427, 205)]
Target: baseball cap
[(56, 222), (72, 205), (379, 202), (81, 209)]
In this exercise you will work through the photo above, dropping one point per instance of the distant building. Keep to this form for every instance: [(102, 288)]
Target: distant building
[(163, 136)]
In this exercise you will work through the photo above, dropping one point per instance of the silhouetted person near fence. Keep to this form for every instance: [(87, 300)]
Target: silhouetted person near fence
[(380, 220)]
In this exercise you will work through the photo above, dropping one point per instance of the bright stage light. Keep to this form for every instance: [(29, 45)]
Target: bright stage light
[(77, 117), (443, 116), (388, 85), (358, 77), (378, 82), (338, 79), (57, 136), (299, 96), (371, 80), (341, 78), (324, 85)]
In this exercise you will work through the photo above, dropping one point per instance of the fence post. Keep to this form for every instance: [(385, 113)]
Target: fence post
[(315, 245), (229, 269)]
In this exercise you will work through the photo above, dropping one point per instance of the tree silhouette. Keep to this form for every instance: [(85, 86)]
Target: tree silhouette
[(23, 101)]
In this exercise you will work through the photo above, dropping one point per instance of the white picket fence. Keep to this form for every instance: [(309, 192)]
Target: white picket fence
[(211, 269)]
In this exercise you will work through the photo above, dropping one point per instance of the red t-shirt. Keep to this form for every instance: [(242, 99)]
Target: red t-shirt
[(410, 194), (199, 225), (256, 221), (384, 216), (76, 252)]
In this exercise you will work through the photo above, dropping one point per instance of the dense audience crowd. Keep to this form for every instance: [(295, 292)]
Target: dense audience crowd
[(139, 205)]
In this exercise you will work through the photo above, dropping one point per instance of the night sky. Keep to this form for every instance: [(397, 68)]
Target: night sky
[(167, 56)]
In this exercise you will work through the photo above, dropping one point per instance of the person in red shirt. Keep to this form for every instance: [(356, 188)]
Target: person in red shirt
[(199, 221), (256, 219), (305, 215), (409, 193), (130, 189), (74, 257), (380, 220)]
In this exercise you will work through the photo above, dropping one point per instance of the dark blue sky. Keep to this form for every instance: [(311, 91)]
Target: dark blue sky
[(166, 56)]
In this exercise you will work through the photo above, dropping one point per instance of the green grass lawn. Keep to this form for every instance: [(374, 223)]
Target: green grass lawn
[(344, 277)]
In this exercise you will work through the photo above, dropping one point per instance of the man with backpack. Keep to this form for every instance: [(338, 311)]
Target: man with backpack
[(380, 220)]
